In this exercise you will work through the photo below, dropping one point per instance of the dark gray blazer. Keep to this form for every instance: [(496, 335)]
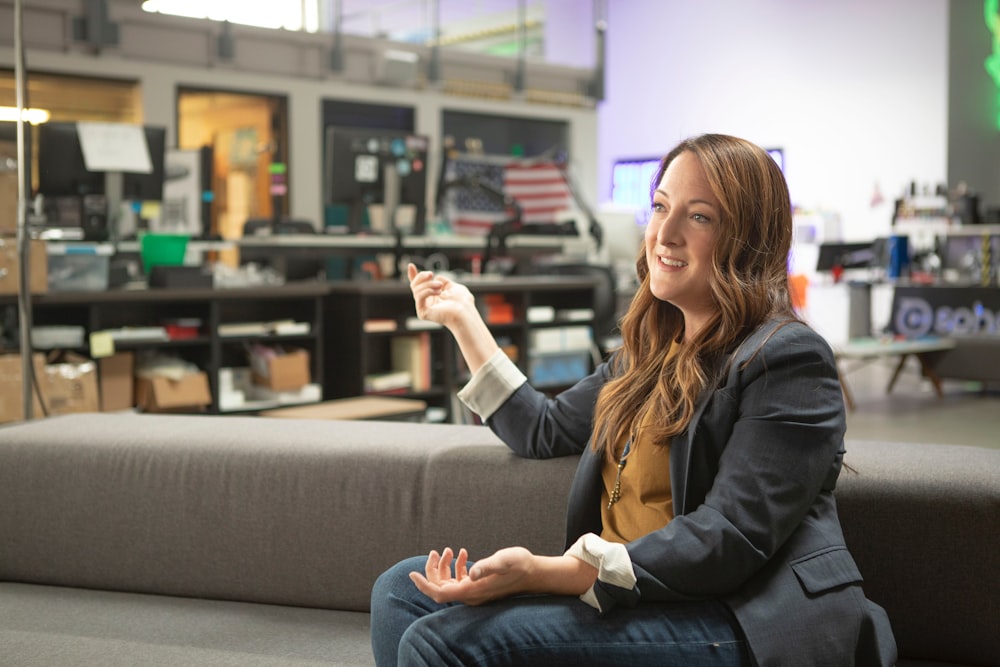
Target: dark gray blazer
[(755, 517)]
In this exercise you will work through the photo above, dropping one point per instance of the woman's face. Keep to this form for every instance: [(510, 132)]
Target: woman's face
[(681, 234)]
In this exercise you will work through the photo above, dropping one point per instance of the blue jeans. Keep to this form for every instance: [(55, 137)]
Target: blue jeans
[(410, 629)]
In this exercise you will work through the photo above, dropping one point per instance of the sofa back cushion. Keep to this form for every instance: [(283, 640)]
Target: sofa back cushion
[(281, 511)]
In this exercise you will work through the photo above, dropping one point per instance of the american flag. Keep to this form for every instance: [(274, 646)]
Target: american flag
[(538, 186)]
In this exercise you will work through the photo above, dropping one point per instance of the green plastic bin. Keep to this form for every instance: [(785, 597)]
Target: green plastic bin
[(162, 250)]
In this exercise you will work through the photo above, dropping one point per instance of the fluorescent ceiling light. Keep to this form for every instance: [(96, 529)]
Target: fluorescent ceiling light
[(262, 14), (33, 116)]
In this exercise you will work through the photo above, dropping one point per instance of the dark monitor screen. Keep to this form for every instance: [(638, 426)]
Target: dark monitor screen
[(962, 253), (61, 169), (354, 170), (63, 172), (8, 131), (846, 256)]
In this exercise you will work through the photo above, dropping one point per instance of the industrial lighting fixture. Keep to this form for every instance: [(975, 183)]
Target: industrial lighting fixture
[(33, 116)]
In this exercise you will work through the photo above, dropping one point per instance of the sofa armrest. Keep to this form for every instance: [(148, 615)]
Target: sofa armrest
[(922, 522)]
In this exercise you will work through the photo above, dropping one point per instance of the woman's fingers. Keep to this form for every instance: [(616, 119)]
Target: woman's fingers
[(461, 567), (438, 570), (431, 568), (444, 565)]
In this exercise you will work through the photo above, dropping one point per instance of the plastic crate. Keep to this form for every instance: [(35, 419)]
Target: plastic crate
[(78, 267)]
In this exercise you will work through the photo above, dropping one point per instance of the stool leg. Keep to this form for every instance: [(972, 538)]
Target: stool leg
[(848, 399), (895, 374), (928, 372)]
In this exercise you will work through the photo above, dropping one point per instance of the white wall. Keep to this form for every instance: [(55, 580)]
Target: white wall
[(855, 91)]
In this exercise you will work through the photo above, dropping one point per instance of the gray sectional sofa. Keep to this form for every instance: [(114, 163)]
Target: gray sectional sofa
[(205, 540)]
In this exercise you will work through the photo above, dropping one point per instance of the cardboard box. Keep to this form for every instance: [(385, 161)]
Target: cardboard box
[(10, 275), (11, 391), (163, 394), (70, 386), (65, 387), (115, 375), (283, 371), (8, 201), (8, 189)]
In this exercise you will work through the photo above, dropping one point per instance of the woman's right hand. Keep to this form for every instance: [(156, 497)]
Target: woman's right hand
[(439, 299)]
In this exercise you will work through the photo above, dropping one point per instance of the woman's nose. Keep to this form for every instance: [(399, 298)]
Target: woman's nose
[(667, 231)]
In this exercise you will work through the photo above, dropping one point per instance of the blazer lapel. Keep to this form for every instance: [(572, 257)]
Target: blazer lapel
[(680, 446)]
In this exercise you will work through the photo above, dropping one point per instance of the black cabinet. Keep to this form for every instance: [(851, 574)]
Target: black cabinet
[(208, 311), (365, 321)]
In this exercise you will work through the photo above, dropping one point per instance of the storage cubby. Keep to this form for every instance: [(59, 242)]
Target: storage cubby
[(363, 318)]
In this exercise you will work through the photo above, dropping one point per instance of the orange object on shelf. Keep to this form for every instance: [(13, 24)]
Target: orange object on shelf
[(798, 286)]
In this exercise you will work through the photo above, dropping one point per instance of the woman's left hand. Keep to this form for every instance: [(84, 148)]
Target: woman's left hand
[(505, 573), (511, 571)]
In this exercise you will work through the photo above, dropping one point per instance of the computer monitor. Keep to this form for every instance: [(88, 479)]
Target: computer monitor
[(354, 171), (62, 171), (846, 256), (778, 155), (632, 180), (77, 199)]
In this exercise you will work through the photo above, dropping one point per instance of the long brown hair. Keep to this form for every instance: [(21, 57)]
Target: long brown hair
[(749, 283)]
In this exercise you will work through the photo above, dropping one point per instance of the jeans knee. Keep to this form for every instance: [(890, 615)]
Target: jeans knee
[(395, 581), (423, 646)]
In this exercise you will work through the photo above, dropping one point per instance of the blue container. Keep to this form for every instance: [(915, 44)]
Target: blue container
[(899, 256)]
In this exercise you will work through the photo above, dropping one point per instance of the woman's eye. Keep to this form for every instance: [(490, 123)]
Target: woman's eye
[(701, 218), (657, 207)]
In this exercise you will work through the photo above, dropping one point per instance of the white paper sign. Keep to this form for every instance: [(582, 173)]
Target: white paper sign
[(114, 147)]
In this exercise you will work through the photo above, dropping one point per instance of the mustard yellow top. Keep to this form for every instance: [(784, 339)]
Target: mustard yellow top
[(644, 501)]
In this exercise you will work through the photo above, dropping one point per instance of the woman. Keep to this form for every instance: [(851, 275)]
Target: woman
[(701, 521)]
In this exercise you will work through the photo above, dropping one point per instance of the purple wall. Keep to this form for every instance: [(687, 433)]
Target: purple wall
[(854, 91)]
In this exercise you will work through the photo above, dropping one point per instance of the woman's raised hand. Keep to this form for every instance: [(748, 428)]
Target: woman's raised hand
[(437, 298)]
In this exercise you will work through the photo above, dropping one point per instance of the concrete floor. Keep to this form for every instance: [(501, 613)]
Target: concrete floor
[(968, 414)]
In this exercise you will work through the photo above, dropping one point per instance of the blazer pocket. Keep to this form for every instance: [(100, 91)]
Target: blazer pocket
[(826, 570)]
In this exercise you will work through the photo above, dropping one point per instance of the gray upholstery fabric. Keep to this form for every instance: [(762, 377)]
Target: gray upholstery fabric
[(972, 359), (922, 522), (45, 626), (305, 514), (261, 510)]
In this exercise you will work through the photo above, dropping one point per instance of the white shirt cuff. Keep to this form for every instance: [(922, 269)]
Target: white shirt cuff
[(611, 559), (491, 385)]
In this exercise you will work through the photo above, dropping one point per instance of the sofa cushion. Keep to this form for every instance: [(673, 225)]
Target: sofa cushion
[(48, 625)]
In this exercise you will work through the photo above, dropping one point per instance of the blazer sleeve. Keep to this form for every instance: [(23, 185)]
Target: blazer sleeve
[(784, 448), (536, 426)]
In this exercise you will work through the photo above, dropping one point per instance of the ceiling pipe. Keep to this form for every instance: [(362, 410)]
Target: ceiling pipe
[(600, 46), (434, 61), (337, 51), (522, 46)]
